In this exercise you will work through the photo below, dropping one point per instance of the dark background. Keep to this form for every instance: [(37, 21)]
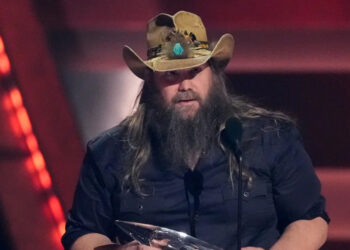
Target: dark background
[(318, 102)]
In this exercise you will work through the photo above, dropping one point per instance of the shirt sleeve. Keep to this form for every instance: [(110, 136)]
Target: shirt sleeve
[(92, 209), (296, 188)]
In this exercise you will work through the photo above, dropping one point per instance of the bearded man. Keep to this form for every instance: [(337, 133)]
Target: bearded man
[(146, 168)]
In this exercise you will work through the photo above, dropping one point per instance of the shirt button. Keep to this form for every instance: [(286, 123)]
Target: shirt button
[(196, 217), (140, 207), (246, 194)]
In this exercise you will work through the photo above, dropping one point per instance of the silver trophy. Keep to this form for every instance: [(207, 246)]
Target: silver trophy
[(167, 238)]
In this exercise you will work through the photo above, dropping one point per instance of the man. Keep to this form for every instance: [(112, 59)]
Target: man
[(166, 164)]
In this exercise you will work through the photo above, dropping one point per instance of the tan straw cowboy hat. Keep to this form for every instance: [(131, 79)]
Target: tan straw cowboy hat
[(178, 42)]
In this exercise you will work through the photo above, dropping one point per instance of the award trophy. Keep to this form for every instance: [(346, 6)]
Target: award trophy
[(170, 239)]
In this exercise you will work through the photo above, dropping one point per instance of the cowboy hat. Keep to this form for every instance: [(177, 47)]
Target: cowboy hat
[(178, 42)]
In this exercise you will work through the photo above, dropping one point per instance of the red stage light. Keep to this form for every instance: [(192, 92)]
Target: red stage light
[(24, 121), (29, 165), (32, 143), (6, 101), (35, 164), (14, 125), (2, 46), (5, 66), (55, 207), (38, 160), (16, 98), (45, 179), (62, 227)]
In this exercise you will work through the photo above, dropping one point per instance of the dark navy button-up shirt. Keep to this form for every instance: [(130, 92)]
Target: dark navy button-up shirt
[(285, 189)]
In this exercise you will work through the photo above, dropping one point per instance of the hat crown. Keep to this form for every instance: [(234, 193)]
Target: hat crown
[(178, 42), (186, 23)]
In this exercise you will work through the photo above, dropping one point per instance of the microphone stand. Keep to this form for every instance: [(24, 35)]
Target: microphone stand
[(239, 200), (238, 155), (231, 136)]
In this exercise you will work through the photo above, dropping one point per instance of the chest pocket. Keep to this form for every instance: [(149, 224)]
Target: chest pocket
[(253, 198), (141, 209), (259, 189)]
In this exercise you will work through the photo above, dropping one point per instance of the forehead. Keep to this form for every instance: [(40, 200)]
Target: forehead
[(202, 70)]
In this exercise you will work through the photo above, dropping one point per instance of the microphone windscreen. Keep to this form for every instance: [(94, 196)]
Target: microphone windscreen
[(233, 131)]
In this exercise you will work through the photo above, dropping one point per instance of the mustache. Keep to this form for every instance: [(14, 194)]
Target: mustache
[(186, 96)]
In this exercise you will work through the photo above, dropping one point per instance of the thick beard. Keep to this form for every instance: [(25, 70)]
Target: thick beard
[(179, 141)]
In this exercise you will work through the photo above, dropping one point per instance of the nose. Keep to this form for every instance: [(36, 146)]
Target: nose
[(185, 84)]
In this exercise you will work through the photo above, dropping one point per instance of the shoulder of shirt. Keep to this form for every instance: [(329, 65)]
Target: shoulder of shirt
[(107, 139), (268, 129), (103, 152)]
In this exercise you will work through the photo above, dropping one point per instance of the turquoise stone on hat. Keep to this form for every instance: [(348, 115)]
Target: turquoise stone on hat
[(177, 49)]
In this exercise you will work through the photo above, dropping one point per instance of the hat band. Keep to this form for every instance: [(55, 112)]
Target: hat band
[(157, 51)]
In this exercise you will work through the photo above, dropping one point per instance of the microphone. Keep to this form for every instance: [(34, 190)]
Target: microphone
[(194, 186), (231, 137)]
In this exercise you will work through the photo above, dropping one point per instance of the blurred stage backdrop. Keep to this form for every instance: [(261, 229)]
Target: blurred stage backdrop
[(63, 81)]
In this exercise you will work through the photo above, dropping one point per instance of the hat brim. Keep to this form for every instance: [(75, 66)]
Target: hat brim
[(222, 53)]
